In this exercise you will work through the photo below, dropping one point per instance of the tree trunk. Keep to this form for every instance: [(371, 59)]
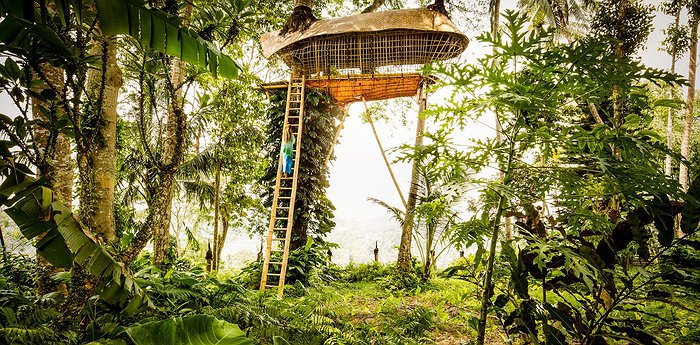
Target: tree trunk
[(222, 238), (488, 286), (301, 18), (688, 122), (373, 6), (55, 165), (98, 165), (495, 8), (429, 252), (485, 298), (616, 92), (173, 152), (669, 118), (217, 187), (403, 263), (155, 218)]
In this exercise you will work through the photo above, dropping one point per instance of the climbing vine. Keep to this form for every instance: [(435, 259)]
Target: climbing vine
[(313, 211)]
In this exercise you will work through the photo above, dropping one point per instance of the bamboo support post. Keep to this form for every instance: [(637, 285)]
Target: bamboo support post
[(381, 149)]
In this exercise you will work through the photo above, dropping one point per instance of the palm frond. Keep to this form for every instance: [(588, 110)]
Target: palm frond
[(201, 191), (201, 165), (396, 212)]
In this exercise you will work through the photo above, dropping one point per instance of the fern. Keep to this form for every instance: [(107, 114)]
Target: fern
[(21, 335)]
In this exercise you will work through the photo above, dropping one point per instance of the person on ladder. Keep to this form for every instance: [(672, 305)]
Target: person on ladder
[(287, 150)]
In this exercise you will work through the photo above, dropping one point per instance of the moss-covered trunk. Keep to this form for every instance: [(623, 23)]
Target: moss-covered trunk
[(55, 162), (222, 238), (97, 165), (175, 129)]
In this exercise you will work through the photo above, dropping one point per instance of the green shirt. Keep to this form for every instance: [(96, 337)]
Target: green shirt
[(288, 147)]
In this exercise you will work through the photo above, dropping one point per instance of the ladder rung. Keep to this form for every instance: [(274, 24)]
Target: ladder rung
[(274, 274), (277, 250), (279, 239), (275, 263), (271, 286), (279, 229)]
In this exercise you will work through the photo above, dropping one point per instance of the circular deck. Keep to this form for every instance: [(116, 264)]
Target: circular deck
[(388, 42)]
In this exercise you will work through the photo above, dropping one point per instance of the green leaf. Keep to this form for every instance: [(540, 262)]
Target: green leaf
[(53, 248), (78, 10), (691, 209), (163, 34), (553, 336), (112, 18), (279, 341), (309, 243), (63, 9), (190, 330), (13, 70)]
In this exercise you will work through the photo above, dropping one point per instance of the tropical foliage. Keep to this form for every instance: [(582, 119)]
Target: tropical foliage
[(137, 141)]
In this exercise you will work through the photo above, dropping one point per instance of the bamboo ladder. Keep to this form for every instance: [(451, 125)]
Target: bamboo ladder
[(279, 232)]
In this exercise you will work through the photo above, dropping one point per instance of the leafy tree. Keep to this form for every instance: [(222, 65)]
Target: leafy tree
[(606, 160), (440, 186), (693, 20), (57, 37), (232, 164), (675, 44)]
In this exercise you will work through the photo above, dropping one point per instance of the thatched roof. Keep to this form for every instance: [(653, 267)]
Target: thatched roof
[(419, 20)]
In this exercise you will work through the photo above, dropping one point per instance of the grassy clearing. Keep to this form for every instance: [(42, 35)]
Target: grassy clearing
[(438, 312)]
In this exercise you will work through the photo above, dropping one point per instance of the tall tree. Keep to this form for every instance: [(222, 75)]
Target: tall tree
[(313, 211), (694, 19), (495, 7), (97, 162), (675, 45), (403, 262)]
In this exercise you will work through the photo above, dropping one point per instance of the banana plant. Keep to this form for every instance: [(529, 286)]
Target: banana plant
[(151, 28), (189, 330), (60, 237)]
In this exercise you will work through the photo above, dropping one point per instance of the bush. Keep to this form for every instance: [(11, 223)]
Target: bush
[(366, 272)]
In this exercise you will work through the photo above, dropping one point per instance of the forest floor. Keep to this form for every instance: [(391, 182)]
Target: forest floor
[(439, 312)]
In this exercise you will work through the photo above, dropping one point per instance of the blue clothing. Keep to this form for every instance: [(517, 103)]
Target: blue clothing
[(287, 153), (287, 163)]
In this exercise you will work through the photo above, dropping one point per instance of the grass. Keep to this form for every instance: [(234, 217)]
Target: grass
[(438, 312)]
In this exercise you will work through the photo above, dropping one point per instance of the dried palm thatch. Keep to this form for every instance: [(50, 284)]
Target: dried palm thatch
[(342, 54)]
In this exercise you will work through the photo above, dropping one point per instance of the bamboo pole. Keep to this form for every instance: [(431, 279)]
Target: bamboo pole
[(381, 150)]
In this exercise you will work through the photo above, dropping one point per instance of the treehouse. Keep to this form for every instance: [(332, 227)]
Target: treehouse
[(367, 57), (372, 55)]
